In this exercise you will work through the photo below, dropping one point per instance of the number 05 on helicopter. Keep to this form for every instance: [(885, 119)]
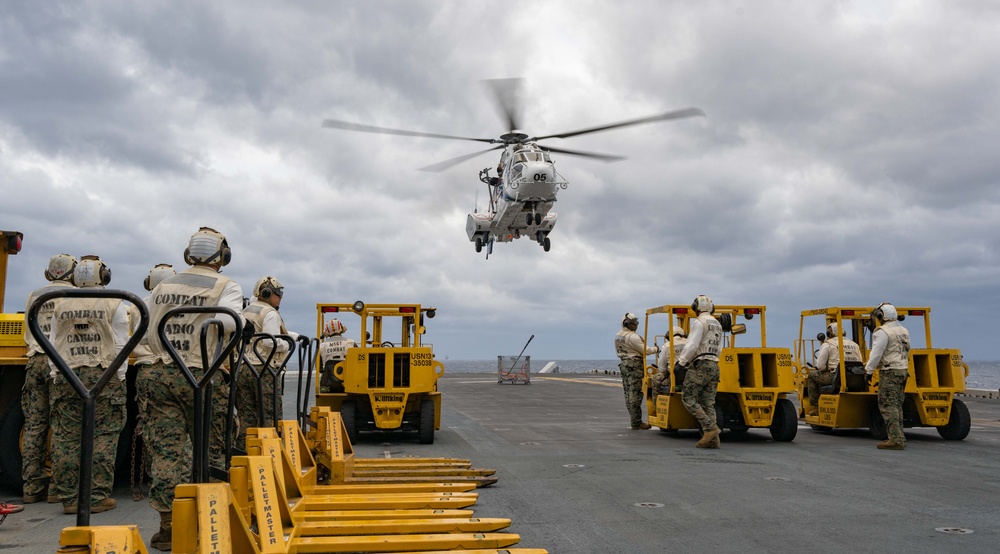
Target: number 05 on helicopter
[(523, 192)]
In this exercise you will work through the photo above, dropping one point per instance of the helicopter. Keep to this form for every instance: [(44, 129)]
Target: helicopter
[(522, 194)]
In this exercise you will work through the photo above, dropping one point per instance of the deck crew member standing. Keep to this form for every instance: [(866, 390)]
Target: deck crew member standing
[(143, 356), (890, 355), (632, 351), (662, 377), (169, 416), (37, 383), (700, 360), (263, 314), (88, 333), (828, 364)]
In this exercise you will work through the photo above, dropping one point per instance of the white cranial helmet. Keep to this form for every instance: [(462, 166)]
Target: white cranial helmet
[(677, 331), (630, 318), (885, 312), (831, 330), (702, 305), (267, 286), (333, 327), (61, 268), (157, 274), (91, 272), (208, 246)]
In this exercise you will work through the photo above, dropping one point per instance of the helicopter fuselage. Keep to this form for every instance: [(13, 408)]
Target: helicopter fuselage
[(521, 198)]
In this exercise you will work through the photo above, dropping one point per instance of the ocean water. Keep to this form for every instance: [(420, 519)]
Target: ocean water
[(982, 374)]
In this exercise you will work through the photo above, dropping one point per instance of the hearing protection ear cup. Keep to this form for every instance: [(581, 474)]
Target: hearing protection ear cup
[(265, 294), (187, 257), (145, 283), (105, 275), (226, 255)]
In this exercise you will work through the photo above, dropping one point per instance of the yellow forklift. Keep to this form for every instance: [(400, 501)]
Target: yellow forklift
[(754, 380), (13, 357), (935, 375), (389, 383)]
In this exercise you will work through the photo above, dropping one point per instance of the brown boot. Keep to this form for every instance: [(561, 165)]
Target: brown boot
[(32, 498), (707, 438), (887, 444), (103, 506), (162, 539), (641, 427), (813, 412)]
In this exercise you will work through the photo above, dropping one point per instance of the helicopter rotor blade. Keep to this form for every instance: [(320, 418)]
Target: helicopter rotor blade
[(677, 114), (441, 166), (348, 126), (595, 155), (507, 95)]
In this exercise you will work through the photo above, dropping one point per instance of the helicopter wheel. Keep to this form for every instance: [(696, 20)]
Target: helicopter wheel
[(538, 219), (528, 218), (479, 244), (546, 244), (540, 237)]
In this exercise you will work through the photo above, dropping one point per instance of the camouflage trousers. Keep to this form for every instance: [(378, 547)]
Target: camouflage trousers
[(817, 378), (248, 400), (891, 383), (35, 405), (700, 384), (168, 427), (632, 384), (67, 424), (659, 379)]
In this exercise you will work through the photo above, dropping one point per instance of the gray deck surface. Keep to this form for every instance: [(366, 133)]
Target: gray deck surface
[(575, 478)]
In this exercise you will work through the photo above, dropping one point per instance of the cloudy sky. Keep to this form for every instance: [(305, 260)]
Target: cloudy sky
[(844, 160)]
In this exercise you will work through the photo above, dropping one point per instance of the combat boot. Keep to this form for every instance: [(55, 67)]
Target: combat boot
[(813, 412), (641, 427), (707, 438), (163, 538), (887, 444)]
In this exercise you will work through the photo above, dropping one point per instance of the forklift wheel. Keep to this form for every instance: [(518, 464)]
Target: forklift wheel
[(876, 424), (959, 422)]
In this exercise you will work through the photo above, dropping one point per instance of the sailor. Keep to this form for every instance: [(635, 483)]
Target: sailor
[(828, 363), (169, 416), (700, 361), (890, 355), (88, 333), (632, 351), (35, 393), (143, 356), (662, 377), (332, 351), (263, 314)]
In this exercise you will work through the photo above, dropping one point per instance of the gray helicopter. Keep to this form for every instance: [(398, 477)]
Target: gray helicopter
[(523, 192)]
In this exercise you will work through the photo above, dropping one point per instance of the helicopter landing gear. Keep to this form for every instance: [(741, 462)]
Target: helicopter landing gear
[(538, 218), (479, 244), (543, 240)]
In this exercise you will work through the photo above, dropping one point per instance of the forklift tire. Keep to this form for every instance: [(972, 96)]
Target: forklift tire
[(349, 413), (959, 422), (785, 422), (10, 451), (876, 423), (426, 432), (720, 418)]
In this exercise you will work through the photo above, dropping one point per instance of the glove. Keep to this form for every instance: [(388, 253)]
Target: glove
[(248, 331), (679, 367), (868, 378)]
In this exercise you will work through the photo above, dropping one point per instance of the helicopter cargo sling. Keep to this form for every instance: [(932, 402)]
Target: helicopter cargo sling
[(524, 191), (754, 380), (384, 384), (936, 375)]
